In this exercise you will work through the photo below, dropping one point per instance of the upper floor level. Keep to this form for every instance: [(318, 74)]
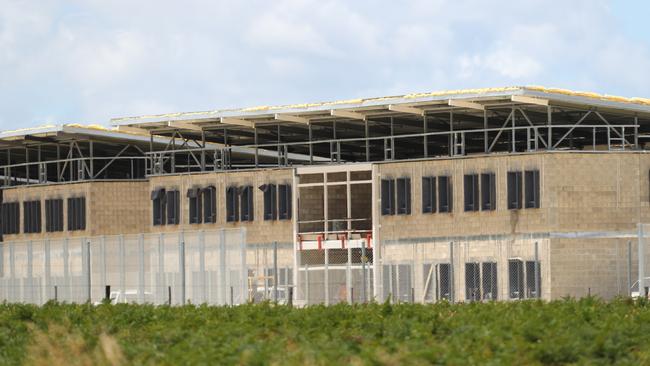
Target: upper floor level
[(449, 124)]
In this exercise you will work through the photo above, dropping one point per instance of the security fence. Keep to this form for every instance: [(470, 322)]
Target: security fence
[(465, 270), (333, 275), (167, 268)]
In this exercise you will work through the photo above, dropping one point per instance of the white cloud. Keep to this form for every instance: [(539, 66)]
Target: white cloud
[(91, 60)]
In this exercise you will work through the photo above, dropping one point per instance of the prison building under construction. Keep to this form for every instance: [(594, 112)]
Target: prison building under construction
[(468, 195)]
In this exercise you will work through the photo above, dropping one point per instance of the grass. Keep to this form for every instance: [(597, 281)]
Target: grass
[(586, 331)]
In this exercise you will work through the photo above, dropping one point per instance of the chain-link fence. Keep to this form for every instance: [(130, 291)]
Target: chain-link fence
[(333, 275), (168, 268), (463, 270), (270, 272)]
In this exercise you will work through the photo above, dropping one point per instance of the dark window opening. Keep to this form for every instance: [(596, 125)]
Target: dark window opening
[(472, 281), (231, 204), (10, 218), (490, 289), (516, 279), (387, 197), (532, 188), (32, 217), (471, 192), (428, 194), (514, 190), (173, 207), (284, 202), (76, 213), (158, 198), (444, 281), (270, 201), (531, 282), (53, 215), (246, 199), (209, 205), (194, 198), (404, 196), (488, 191), (445, 196)]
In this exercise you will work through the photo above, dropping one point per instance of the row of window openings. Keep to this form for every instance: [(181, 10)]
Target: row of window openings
[(32, 222), (239, 204), (481, 281), (437, 193)]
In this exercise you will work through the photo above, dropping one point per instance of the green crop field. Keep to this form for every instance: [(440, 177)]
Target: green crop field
[(587, 331)]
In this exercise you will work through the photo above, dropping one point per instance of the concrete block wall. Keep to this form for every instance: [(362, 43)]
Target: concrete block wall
[(257, 231), (112, 207)]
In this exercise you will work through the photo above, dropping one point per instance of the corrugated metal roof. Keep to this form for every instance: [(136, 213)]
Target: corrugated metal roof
[(554, 93)]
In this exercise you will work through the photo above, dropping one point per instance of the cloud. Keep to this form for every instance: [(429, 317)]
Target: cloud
[(88, 61)]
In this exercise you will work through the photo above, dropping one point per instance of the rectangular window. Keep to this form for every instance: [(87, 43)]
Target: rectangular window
[(514, 190), (471, 192), (209, 205), (444, 281), (428, 194), (490, 289), (516, 278), (404, 196), (532, 188), (472, 282), (388, 197), (194, 198), (76, 213), (246, 199), (53, 215), (445, 196), (232, 212), (158, 199), (488, 191), (284, 202), (173, 202), (270, 201), (32, 217), (531, 284), (10, 218)]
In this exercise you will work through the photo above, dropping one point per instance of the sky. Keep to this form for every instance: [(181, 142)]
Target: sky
[(92, 60)]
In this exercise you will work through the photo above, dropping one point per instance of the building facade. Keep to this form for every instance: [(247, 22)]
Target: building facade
[(475, 195)]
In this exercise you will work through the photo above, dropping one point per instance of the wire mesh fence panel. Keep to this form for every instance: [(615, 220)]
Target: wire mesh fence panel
[(466, 270), (199, 267)]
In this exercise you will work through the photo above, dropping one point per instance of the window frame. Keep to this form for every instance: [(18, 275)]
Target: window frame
[(488, 192), (403, 186), (429, 190), (445, 190), (514, 188), (471, 192)]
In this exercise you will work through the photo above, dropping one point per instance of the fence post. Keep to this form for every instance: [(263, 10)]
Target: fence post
[(222, 266), (181, 264), (122, 265), (641, 251), (204, 287), (30, 270), (88, 273), (348, 277), (326, 288), (275, 272), (48, 270), (141, 268), (629, 268), (452, 285), (66, 269), (364, 297), (537, 279)]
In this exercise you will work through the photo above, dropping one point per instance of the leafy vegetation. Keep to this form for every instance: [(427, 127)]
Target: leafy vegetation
[(523, 332)]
